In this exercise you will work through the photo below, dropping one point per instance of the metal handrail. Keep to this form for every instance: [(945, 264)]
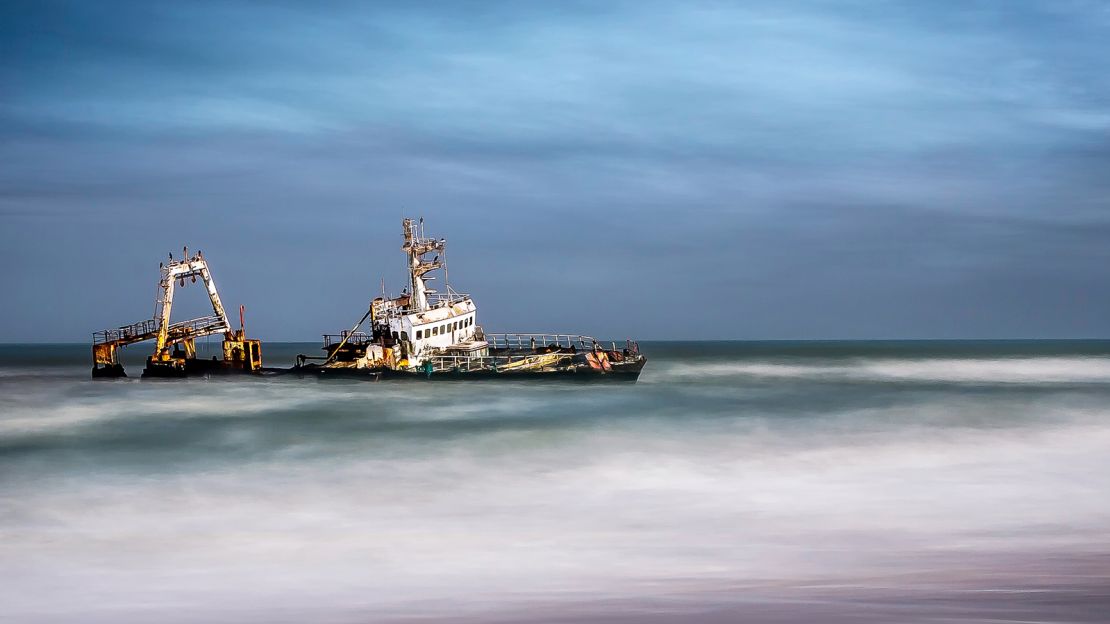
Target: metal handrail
[(468, 363), (436, 299), (528, 341), (211, 324), (136, 332), (148, 329), (351, 338)]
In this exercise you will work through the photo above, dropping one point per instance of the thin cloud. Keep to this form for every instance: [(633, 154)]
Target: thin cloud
[(784, 158)]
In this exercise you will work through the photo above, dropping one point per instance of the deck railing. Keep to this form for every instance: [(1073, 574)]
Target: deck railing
[(532, 341), (143, 330), (469, 363), (198, 327), (436, 300), (148, 329), (351, 338)]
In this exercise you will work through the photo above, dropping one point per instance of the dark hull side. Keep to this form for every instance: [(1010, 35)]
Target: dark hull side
[(191, 368), (619, 372), (111, 371)]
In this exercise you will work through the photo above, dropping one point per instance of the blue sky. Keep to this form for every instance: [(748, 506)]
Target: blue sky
[(874, 169)]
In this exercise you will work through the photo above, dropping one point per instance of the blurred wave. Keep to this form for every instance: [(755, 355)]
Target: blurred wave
[(978, 370), (765, 482)]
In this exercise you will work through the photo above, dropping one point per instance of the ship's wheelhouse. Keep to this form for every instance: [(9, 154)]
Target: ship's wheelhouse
[(435, 330)]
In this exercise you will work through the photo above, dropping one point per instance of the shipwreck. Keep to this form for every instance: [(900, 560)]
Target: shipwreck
[(175, 349), (430, 334), (421, 334)]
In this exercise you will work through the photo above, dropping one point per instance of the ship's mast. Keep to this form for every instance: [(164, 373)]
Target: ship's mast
[(417, 246)]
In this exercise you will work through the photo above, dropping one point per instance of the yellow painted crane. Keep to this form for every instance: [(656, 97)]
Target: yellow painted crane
[(175, 353)]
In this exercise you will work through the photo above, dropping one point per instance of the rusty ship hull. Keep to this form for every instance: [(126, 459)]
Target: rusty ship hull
[(580, 371)]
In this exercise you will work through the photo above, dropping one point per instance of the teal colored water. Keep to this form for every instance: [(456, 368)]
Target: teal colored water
[(779, 481)]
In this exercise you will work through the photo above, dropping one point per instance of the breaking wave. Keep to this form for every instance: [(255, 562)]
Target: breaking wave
[(1036, 370), (290, 500)]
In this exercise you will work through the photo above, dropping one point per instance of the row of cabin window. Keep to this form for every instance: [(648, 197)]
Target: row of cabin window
[(443, 329)]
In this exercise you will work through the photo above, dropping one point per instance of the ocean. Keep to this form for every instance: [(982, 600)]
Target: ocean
[(895, 481)]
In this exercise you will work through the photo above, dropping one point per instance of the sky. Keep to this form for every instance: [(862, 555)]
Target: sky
[(655, 170)]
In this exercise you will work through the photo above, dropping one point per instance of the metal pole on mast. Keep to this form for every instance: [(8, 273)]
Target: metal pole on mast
[(446, 283)]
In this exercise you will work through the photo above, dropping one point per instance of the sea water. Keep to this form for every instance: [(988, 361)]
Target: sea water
[(736, 481)]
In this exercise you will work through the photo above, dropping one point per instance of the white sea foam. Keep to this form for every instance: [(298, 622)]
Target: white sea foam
[(598, 511), (46, 412), (1033, 370), (306, 501)]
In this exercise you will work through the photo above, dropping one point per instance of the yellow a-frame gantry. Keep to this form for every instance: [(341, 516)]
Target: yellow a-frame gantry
[(175, 343)]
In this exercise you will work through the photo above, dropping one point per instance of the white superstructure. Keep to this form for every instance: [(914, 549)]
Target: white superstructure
[(423, 321)]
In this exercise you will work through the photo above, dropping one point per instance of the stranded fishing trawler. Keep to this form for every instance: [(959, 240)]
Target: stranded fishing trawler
[(435, 335)]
